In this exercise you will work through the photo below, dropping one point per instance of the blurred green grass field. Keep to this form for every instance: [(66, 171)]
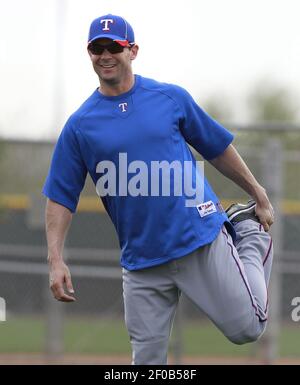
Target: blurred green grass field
[(103, 337)]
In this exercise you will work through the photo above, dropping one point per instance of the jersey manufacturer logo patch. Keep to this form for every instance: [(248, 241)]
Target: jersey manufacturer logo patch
[(123, 106), (106, 25), (206, 208)]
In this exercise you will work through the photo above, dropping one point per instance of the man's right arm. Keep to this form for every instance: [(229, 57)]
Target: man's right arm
[(58, 220)]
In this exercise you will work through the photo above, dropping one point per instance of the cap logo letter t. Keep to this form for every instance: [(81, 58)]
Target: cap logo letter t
[(106, 26)]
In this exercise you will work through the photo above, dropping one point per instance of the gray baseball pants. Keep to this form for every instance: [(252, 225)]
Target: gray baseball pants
[(226, 281)]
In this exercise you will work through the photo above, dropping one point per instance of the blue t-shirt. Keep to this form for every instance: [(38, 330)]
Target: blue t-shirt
[(151, 122)]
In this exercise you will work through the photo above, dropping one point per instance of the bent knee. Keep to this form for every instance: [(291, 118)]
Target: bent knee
[(246, 336)]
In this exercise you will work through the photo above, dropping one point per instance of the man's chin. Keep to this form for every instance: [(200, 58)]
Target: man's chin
[(109, 79)]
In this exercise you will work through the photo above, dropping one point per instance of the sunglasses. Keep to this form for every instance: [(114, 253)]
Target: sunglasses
[(98, 49)]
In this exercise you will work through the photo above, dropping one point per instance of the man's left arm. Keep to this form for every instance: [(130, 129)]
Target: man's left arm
[(231, 165)]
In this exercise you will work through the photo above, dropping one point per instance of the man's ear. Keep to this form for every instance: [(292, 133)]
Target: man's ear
[(134, 51)]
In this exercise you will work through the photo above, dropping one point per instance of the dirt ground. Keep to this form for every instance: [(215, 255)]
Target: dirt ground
[(37, 359)]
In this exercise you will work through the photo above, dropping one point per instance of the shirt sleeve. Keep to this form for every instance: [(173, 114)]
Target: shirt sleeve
[(68, 171), (200, 130)]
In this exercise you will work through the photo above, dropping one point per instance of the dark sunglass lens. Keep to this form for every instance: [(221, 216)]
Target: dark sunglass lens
[(98, 49), (115, 48)]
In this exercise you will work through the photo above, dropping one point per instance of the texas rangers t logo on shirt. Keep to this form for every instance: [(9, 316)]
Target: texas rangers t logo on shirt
[(106, 25), (123, 107)]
